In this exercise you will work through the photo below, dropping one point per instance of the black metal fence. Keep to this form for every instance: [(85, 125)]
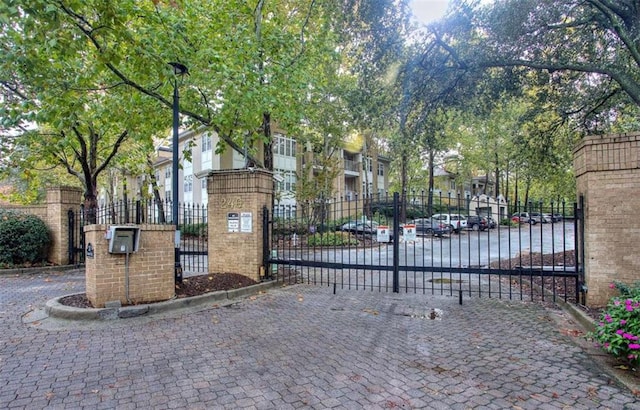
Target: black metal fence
[(525, 251), (192, 223)]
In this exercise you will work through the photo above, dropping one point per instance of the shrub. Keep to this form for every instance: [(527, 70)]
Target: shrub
[(24, 239), (618, 331), (198, 230), (331, 239)]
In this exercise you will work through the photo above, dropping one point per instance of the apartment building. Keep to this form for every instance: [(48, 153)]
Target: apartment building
[(359, 174)]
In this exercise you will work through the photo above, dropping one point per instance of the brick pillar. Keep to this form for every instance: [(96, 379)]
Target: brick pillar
[(149, 273), (607, 170), (235, 212), (59, 201)]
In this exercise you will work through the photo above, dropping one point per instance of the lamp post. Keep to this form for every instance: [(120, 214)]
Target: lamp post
[(178, 70)]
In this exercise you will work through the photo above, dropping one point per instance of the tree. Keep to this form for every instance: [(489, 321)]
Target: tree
[(60, 107), (589, 49)]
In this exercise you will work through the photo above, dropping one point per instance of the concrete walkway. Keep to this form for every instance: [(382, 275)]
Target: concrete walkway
[(298, 347)]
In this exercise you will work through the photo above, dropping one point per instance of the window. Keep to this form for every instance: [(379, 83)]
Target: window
[(284, 146), (205, 142), (380, 169), (188, 184), (288, 182), (167, 172)]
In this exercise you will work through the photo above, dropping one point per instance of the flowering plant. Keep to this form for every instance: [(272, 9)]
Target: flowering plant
[(618, 330)]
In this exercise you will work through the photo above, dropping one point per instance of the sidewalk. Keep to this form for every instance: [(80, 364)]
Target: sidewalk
[(298, 347)]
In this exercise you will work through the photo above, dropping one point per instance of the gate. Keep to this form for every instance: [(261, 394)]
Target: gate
[(75, 221), (193, 250), (342, 244)]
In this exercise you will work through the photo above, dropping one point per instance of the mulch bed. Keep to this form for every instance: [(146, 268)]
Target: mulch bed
[(190, 286)]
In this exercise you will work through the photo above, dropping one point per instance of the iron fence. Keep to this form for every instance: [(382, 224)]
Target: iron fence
[(374, 243)]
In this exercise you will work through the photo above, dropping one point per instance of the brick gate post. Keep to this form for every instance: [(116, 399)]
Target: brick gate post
[(607, 170), (235, 220), (59, 201)]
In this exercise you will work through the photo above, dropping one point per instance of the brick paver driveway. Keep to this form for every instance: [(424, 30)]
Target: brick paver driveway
[(297, 347)]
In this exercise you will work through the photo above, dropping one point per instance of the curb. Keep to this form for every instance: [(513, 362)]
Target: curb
[(55, 309)]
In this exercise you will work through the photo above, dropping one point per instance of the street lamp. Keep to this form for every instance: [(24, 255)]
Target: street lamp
[(178, 70)]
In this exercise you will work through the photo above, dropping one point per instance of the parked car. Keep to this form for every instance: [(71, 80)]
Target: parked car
[(427, 226), (539, 218), (457, 222), (491, 223), (360, 227), (523, 218), (477, 223)]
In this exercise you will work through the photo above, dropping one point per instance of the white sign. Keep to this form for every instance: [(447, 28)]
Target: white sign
[(233, 222), (383, 233), (246, 222), (409, 232)]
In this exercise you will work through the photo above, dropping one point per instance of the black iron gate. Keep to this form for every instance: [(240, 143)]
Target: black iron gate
[(193, 250), (341, 243), (76, 236)]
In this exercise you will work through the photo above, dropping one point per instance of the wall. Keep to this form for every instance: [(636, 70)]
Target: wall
[(149, 276), (54, 213), (607, 169)]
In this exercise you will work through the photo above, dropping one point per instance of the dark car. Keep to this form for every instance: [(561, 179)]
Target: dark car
[(427, 226), (360, 227), (477, 223)]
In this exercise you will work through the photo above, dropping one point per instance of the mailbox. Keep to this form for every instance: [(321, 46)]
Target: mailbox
[(124, 239)]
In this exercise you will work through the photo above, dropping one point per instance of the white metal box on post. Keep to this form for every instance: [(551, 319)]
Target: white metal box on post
[(124, 239)]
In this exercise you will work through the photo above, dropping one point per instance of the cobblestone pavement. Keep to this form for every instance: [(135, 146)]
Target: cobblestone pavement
[(297, 347)]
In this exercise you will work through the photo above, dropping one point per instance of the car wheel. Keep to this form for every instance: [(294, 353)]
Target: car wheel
[(428, 231), (475, 227)]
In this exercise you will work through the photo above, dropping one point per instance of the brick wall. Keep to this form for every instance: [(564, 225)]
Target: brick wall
[(150, 270), (231, 193), (54, 214), (608, 176)]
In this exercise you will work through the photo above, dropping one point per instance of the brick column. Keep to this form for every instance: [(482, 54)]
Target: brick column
[(149, 272), (607, 170), (235, 212), (59, 201)]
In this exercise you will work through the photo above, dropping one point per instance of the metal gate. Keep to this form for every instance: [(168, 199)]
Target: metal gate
[(75, 220), (193, 250), (341, 244)]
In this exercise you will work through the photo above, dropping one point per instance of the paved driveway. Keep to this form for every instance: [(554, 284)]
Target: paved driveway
[(297, 347)]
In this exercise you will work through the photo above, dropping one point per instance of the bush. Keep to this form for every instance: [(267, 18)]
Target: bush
[(618, 331), (24, 239), (331, 239), (198, 230)]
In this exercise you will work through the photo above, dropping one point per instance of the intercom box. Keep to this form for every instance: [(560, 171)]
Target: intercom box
[(124, 239)]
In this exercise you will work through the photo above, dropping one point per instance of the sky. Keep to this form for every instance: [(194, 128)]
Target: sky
[(427, 11)]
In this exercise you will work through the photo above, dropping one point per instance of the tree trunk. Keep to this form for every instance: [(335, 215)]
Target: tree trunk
[(268, 141), (156, 191)]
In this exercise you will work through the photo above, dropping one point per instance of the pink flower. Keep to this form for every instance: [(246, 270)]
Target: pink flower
[(612, 285), (616, 302), (623, 322), (620, 331), (634, 346), (608, 318), (629, 308)]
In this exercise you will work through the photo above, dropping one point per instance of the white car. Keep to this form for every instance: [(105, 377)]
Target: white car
[(457, 222)]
